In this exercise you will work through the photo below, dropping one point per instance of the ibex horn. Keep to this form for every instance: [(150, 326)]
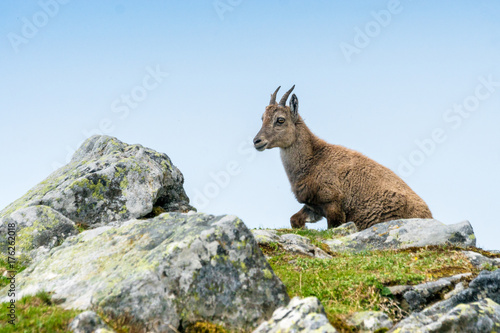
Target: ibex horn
[(285, 96), (273, 97)]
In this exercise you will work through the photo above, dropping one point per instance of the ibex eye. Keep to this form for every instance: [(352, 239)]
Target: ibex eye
[(280, 120)]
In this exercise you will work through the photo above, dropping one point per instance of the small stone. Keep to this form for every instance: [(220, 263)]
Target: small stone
[(480, 261), (291, 243), (370, 321), (300, 315), (345, 229), (458, 288)]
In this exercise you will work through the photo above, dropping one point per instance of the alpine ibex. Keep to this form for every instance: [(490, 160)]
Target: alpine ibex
[(330, 180)]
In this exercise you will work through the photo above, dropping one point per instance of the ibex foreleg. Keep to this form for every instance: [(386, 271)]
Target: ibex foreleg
[(306, 214)]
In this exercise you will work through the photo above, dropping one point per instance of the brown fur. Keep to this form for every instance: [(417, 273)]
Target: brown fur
[(333, 181)]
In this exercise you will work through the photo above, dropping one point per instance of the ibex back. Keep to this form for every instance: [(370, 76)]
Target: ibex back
[(330, 180)]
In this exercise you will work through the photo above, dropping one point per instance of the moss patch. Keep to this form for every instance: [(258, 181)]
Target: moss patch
[(353, 282), (202, 327)]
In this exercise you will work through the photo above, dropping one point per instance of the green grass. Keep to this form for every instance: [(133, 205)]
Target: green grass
[(38, 314), (352, 282)]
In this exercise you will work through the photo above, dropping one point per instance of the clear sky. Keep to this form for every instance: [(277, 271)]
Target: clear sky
[(414, 85)]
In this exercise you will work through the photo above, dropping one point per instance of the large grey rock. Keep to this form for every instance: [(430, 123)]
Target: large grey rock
[(400, 234), (88, 322), (476, 317), (369, 321), (291, 243), (300, 315), (170, 271), (108, 180), (475, 308), (36, 226)]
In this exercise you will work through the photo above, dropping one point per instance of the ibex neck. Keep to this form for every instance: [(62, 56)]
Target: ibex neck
[(298, 157)]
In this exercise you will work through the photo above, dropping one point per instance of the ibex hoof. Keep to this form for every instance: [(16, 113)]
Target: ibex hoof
[(297, 222)]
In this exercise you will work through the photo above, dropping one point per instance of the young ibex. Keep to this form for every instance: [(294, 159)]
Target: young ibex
[(333, 181)]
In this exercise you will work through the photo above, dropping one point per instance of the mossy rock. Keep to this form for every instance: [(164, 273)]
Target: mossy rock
[(108, 180)]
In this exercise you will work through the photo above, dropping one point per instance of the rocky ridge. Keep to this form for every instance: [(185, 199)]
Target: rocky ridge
[(149, 257)]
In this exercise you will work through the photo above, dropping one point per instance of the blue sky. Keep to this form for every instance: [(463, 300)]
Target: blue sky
[(420, 93)]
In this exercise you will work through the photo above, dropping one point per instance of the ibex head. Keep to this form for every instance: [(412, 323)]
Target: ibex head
[(278, 123)]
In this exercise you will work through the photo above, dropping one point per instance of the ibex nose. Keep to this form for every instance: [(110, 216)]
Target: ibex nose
[(259, 144)]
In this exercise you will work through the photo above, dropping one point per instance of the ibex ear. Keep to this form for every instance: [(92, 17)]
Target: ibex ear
[(294, 107)]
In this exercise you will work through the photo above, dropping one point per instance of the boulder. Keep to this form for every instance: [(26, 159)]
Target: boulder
[(400, 234), (108, 180), (36, 226), (474, 309), (170, 271), (369, 321), (417, 297), (292, 243), (485, 285), (300, 315), (479, 317)]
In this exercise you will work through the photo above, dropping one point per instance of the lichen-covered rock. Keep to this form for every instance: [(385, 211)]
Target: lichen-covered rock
[(300, 315), (475, 308), (416, 297), (420, 295), (345, 229), (108, 180), (88, 322), (36, 226), (291, 243), (480, 261), (170, 271), (369, 321), (400, 234), (266, 236), (486, 285), (478, 317)]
